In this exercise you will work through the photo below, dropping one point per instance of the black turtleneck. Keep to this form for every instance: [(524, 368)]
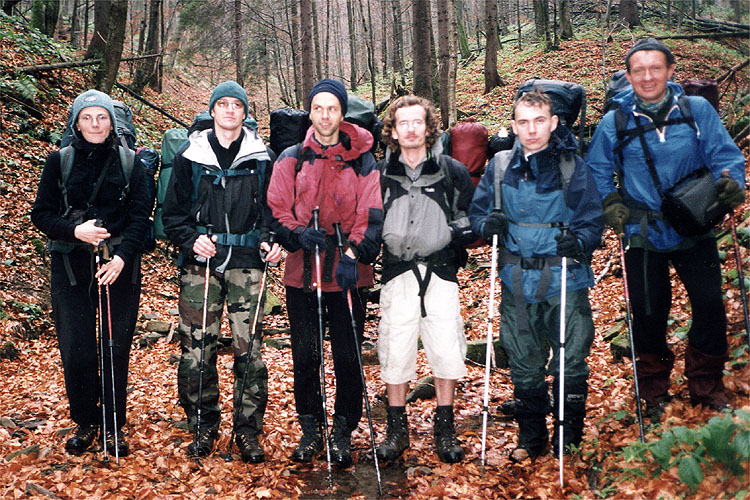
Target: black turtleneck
[(225, 155)]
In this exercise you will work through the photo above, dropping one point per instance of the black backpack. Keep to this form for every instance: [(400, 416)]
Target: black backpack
[(288, 127), (617, 83), (568, 102)]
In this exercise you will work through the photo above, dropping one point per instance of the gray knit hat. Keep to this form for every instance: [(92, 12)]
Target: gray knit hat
[(649, 44), (228, 89), (93, 98)]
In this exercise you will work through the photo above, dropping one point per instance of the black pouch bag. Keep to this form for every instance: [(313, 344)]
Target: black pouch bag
[(691, 206)]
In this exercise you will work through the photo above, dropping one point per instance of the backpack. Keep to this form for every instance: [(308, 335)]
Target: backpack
[(617, 83), (288, 127), (148, 159), (171, 143), (568, 99), (124, 127), (707, 89), (362, 112), (468, 144)]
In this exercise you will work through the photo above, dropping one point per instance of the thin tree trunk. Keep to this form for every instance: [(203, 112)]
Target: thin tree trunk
[(463, 40), (295, 39), (75, 25), (101, 27), (316, 40), (307, 47), (491, 76), (352, 46), (384, 36), (447, 57), (398, 37), (518, 22), (566, 26), (237, 43), (106, 76), (421, 48), (145, 71)]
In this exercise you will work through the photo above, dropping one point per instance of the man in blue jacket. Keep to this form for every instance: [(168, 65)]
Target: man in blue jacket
[(667, 144), (547, 210)]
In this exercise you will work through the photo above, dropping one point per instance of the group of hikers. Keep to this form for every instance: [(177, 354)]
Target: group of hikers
[(330, 210)]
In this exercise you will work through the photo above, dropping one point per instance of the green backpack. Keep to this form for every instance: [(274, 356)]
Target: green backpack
[(171, 143)]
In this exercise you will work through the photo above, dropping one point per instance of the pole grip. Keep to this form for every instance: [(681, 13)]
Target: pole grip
[(339, 237), (316, 217)]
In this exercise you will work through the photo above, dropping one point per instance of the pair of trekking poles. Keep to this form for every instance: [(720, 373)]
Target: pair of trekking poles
[(98, 251)]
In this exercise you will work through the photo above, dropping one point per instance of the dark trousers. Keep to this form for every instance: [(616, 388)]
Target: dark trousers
[(303, 319), (699, 270), (74, 309)]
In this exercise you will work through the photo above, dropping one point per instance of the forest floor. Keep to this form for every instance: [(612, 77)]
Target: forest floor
[(34, 421)]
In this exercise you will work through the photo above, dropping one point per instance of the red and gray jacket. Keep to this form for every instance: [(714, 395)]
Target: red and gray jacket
[(343, 182)]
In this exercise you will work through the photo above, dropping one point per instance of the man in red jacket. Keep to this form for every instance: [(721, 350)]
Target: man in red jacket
[(334, 171)]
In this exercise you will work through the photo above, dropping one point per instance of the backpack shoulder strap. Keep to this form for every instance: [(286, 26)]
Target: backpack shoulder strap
[(442, 161), (67, 155), (567, 166), (501, 161), (684, 104)]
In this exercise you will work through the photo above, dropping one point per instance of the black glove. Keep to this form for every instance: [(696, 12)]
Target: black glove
[(567, 244), (496, 223), (346, 272), (615, 213), (311, 237), (729, 192)]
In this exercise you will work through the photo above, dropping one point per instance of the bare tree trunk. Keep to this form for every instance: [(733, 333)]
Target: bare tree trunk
[(629, 12), (518, 22), (491, 76), (352, 46), (448, 59), (541, 23), (316, 39), (384, 36), (101, 27), (149, 67), (295, 43), (463, 40), (370, 40), (566, 26), (398, 38), (75, 25), (8, 6), (106, 75), (237, 43), (421, 48), (144, 28), (85, 38), (307, 47), (326, 58)]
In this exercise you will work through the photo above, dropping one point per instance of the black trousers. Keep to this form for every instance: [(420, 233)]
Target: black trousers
[(303, 319), (699, 270), (74, 309)]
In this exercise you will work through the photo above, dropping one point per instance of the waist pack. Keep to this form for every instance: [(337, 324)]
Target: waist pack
[(691, 205)]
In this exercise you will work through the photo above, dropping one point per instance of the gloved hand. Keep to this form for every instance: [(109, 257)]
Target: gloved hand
[(496, 223), (567, 244), (346, 272), (311, 237), (730, 193), (615, 213)]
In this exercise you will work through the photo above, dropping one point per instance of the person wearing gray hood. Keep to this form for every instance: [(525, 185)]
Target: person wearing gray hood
[(86, 203)]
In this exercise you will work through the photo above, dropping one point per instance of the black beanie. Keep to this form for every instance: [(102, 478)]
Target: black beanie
[(649, 44), (335, 87)]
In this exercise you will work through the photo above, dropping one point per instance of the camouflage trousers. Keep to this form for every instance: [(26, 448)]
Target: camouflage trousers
[(239, 289)]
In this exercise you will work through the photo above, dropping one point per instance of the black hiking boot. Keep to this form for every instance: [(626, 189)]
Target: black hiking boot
[(575, 412), (446, 444), (203, 444), (530, 411), (397, 434), (123, 449), (311, 442), (341, 442), (81, 439), (250, 449)]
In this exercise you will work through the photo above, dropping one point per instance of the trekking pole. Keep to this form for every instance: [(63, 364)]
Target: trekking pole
[(255, 334), (340, 244), (202, 362), (100, 327), (319, 292), (488, 349), (561, 354), (629, 319), (112, 370), (738, 260)]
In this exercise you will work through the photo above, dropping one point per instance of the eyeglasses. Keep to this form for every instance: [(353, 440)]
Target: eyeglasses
[(405, 124), (229, 104)]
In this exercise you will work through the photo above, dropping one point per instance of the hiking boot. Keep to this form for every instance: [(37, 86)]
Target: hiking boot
[(250, 449), (576, 393), (655, 408), (705, 383), (311, 442), (341, 442), (532, 406), (446, 444), (397, 435), (81, 439), (203, 444), (123, 449)]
